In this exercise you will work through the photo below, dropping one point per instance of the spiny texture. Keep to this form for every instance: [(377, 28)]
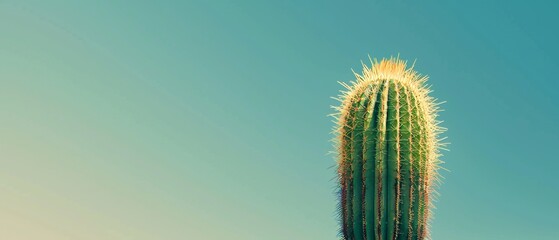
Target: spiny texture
[(388, 145)]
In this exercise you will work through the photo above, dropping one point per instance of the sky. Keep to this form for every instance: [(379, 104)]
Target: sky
[(209, 119)]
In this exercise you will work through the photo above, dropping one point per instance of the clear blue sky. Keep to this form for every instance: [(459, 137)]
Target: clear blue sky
[(208, 119)]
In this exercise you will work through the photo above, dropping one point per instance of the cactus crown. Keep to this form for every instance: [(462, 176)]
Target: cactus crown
[(387, 138)]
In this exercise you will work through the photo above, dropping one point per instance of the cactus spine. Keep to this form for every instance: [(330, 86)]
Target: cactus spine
[(388, 146)]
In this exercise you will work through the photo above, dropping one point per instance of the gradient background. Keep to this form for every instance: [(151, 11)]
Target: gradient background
[(208, 119)]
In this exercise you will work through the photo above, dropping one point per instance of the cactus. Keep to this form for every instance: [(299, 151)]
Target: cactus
[(388, 145)]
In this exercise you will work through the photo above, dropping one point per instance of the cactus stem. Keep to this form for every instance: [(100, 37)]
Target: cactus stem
[(388, 144)]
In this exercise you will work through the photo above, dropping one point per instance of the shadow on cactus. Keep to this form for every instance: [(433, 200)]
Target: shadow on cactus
[(388, 145)]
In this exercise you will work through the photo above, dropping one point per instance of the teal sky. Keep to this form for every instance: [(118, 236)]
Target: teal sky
[(208, 119)]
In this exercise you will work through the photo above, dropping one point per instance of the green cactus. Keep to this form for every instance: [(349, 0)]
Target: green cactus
[(388, 144)]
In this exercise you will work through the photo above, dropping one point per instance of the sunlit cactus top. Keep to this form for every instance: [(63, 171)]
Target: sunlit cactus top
[(388, 143)]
